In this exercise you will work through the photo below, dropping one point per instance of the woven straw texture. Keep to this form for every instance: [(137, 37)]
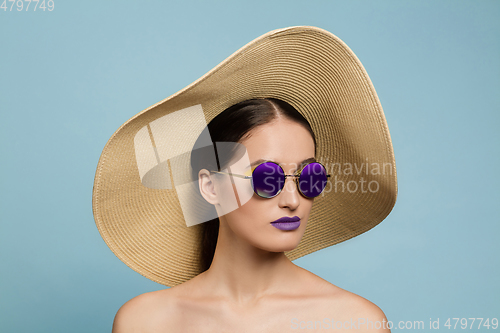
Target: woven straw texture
[(307, 67)]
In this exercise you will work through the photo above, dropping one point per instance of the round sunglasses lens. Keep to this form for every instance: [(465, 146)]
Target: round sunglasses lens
[(312, 180), (268, 179)]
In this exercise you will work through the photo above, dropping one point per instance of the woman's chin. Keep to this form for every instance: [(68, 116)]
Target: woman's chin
[(281, 245)]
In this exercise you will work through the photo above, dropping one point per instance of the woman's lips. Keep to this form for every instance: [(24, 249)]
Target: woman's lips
[(287, 223)]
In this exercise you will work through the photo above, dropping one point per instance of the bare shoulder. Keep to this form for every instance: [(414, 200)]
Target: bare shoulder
[(146, 312), (357, 312), (357, 306), (341, 305)]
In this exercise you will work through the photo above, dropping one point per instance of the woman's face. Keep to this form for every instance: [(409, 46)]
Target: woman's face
[(288, 144)]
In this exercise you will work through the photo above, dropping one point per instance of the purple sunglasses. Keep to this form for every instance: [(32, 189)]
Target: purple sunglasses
[(268, 179)]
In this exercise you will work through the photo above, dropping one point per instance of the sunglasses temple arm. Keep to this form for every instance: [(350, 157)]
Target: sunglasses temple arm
[(232, 174), (296, 176)]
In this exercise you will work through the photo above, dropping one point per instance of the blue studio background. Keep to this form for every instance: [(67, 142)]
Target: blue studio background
[(70, 77)]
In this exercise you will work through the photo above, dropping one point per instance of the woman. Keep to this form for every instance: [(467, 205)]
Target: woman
[(239, 274)]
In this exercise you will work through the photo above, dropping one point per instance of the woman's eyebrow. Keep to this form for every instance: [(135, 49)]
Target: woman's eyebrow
[(259, 161), (308, 160)]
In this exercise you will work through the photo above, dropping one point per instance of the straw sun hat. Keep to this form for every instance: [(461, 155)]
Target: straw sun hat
[(142, 191)]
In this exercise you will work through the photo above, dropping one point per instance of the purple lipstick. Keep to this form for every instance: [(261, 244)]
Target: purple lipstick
[(287, 223)]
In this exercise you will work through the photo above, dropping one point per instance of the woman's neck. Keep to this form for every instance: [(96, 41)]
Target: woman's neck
[(244, 273)]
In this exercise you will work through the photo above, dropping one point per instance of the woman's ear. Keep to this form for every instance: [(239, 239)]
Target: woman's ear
[(207, 186)]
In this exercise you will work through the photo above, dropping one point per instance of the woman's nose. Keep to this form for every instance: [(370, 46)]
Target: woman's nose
[(289, 196)]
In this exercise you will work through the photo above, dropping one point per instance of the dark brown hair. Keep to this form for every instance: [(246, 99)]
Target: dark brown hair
[(234, 125)]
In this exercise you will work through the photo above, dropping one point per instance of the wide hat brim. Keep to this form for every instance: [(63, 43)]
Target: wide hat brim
[(307, 67)]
